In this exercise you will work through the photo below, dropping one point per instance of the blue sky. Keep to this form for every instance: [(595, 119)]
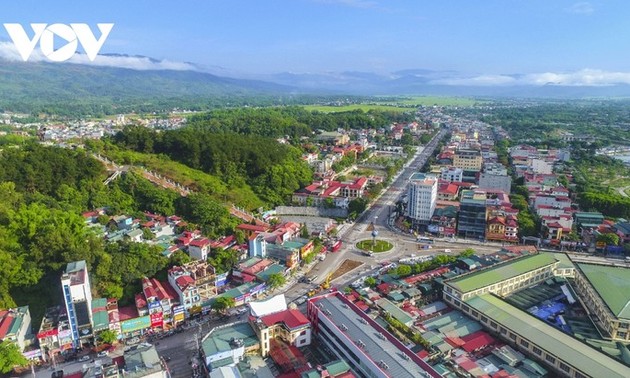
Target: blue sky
[(483, 37)]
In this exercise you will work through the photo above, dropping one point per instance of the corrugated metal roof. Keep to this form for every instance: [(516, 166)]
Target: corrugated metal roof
[(548, 338)]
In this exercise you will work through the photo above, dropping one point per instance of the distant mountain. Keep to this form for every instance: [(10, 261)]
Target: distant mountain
[(40, 84)]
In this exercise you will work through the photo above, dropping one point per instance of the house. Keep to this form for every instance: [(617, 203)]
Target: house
[(134, 236), (291, 326), (198, 249), (184, 285), (15, 326)]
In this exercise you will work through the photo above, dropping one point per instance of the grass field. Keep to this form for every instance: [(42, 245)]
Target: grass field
[(438, 100), (380, 246), (348, 108)]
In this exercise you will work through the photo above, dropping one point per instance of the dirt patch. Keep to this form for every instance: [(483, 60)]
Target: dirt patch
[(346, 266)]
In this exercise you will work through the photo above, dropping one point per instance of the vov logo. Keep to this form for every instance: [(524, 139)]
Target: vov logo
[(45, 35)]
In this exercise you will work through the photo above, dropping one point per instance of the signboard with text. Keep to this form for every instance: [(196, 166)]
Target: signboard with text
[(135, 324)]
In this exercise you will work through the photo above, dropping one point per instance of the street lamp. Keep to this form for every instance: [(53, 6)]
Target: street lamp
[(374, 233)]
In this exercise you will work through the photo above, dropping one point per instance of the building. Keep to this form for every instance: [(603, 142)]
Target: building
[(505, 278), (257, 246), (144, 362), (479, 295), (54, 334), (194, 283), (565, 355), (227, 345), (451, 174), (290, 326), (604, 293), (368, 348), (471, 222), (492, 181), (421, 197), (77, 294), (468, 160), (15, 326), (199, 249)]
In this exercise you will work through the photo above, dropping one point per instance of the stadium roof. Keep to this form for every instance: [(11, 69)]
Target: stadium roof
[(501, 272), (377, 346), (557, 343), (611, 283)]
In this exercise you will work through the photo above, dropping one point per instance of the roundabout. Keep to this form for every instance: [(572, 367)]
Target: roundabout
[(374, 245)]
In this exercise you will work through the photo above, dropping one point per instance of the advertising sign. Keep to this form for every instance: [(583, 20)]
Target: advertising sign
[(154, 304), (135, 324), (157, 320)]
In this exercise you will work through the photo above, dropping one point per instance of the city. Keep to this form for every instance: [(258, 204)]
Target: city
[(314, 189)]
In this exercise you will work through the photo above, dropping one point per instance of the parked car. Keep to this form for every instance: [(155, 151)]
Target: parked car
[(84, 358), (103, 353), (447, 251), (301, 300)]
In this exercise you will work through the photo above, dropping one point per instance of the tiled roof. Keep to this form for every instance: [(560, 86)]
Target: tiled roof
[(291, 318)]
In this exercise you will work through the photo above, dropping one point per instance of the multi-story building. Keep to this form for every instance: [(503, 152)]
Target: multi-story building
[(199, 249), (277, 322), (369, 349), (421, 197), (77, 294), (604, 292), (493, 181), (159, 298), (480, 295), (471, 222), (54, 334), (468, 160), (451, 174), (184, 286), (15, 326)]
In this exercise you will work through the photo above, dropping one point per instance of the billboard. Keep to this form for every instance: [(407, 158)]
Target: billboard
[(179, 317), (157, 320), (154, 304), (135, 324)]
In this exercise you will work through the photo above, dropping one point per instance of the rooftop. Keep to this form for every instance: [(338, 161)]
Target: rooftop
[(548, 338), (377, 343), (501, 272), (611, 283), (218, 340), (290, 318)]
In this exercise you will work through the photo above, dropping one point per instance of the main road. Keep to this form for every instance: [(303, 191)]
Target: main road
[(378, 213)]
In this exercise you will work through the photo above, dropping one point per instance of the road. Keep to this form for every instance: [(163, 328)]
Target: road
[(378, 212)]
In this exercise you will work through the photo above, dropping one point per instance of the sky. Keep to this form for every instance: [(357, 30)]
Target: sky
[(481, 40)]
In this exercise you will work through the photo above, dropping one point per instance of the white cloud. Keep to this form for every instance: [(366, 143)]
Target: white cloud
[(582, 7), (483, 80), (585, 78), (9, 52)]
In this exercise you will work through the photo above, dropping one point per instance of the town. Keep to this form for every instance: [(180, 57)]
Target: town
[(437, 247)]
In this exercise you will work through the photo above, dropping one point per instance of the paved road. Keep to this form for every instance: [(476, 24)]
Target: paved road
[(378, 212)]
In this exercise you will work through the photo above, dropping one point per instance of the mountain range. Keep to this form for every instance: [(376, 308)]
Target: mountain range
[(40, 83)]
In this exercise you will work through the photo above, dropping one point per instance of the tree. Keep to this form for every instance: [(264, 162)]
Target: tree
[(403, 270), (468, 252), (608, 239), (357, 205), (147, 234), (108, 336), (304, 231), (10, 357), (276, 280), (223, 303), (370, 281)]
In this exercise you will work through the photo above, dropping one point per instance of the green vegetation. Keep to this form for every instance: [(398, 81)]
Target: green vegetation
[(221, 304), (406, 331), (375, 246), (437, 101), (10, 357), (108, 336), (276, 280), (362, 107), (608, 239), (370, 281)]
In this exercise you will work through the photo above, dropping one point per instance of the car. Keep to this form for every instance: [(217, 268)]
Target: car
[(103, 353), (84, 358), (447, 251), (301, 300), (57, 374)]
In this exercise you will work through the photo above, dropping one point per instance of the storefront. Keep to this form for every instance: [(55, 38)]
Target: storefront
[(135, 327)]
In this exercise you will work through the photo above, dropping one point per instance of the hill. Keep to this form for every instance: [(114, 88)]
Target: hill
[(83, 89)]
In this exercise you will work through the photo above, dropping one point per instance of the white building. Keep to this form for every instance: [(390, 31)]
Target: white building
[(77, 294), (198, 249), (541, 166), (422, 196), (451, 174)]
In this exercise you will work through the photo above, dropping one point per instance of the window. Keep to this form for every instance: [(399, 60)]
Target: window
[(550, 359), (484, 319), (564, 367), (525, 343), (503, 331), (303, 333), (579, 375), (493, 325), (621, 335), (512, 336), (537, 350)]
